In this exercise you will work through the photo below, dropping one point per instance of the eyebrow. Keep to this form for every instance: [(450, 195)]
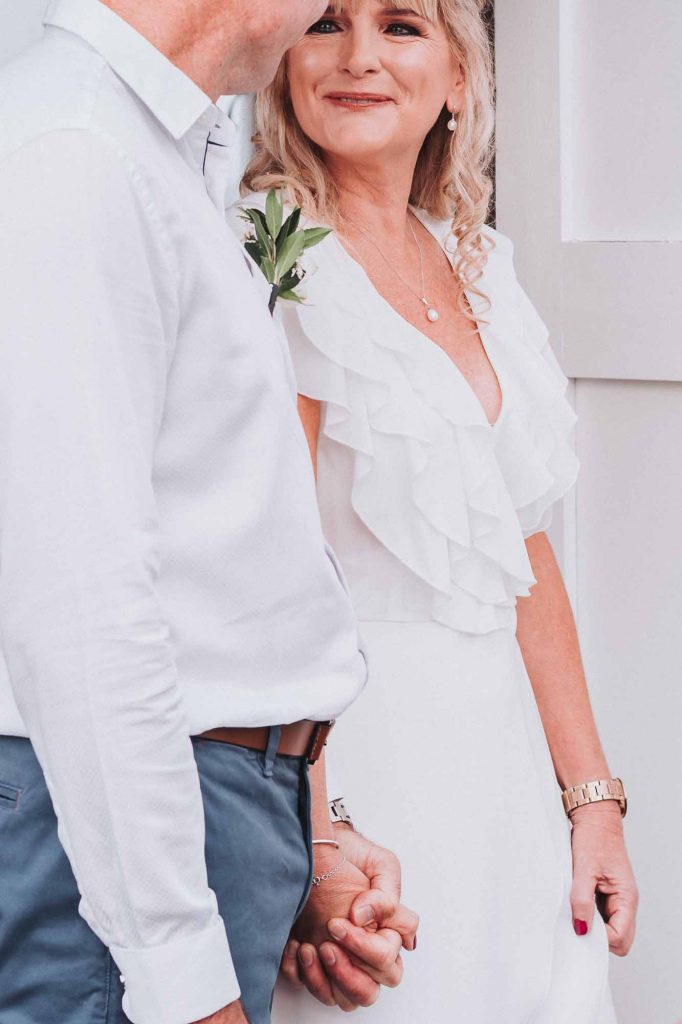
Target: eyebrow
[(388, 9)]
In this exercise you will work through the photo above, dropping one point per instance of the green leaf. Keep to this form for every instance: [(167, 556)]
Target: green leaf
[(256, 216), (290, 225), (264, 240), (291, 250), (253, 250), (290, 296), (273, 213), (313, 236), (268, 268), (289, 281)]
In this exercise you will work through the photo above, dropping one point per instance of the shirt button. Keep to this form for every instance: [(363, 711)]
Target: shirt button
[(121, 977)]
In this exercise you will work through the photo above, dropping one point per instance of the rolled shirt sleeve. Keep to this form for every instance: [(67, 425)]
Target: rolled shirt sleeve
[(89, 311)]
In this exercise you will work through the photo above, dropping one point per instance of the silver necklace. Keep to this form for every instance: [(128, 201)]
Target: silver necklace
[(432, 314)]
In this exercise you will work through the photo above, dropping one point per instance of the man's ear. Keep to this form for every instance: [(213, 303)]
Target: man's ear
[(455, 97)]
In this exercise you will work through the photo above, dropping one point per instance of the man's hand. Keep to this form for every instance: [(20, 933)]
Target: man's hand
[(364, 918), (232, 1014)]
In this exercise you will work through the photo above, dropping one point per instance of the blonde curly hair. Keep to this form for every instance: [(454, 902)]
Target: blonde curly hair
[(451, 179)]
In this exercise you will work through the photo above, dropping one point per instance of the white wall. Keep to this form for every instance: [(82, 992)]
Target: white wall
[(589, 156), (630, 614)]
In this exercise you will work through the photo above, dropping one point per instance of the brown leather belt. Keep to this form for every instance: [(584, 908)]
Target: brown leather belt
[(300, 739)]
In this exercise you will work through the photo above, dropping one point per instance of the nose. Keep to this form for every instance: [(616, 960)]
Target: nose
[(360, 54)]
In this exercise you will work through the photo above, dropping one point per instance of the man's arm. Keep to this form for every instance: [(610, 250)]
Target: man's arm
[(86, 332)]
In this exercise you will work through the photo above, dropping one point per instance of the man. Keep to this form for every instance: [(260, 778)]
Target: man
[(175, 631)]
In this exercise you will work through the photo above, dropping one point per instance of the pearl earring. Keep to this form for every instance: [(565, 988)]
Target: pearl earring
[(452, 123)]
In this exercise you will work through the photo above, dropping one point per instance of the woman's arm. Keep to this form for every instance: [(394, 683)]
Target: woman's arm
[(549, 643), (309, 409), (548, 640)]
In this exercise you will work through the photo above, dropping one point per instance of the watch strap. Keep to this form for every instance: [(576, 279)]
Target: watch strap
[(593, 792)]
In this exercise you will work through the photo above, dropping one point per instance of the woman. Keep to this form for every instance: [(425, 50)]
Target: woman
[(436, 415)]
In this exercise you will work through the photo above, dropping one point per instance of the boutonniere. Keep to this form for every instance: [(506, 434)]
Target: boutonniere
[(277, 245)]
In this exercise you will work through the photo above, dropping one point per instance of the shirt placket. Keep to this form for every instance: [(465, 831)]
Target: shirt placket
[(213, 141)]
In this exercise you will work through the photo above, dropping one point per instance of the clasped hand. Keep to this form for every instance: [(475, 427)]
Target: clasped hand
[(347, 942)]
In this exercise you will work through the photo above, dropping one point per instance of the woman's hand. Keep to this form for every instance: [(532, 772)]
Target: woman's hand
[(359, 907), (601, 869)]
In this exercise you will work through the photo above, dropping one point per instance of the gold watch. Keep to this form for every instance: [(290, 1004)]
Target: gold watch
[(593, 792)]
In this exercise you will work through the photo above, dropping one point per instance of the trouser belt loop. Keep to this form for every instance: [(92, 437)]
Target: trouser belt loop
[(271, 750)]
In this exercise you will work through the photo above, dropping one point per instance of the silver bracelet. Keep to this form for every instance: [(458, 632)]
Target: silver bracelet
[(328, 874), (326, 842)]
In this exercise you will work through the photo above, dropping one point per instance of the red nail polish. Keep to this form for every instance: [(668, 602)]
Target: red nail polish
[(415, 943), (580, 927)]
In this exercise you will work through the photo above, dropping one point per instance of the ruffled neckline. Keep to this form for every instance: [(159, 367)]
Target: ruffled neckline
[(437, 230), (444, 494)]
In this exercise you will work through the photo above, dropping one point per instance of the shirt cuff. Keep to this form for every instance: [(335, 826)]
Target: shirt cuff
[(181, 981)]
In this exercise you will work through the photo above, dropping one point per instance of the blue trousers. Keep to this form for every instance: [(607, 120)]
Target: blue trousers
[(55, 970)]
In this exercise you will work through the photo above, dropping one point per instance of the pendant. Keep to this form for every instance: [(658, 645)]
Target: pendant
[(431, 313)]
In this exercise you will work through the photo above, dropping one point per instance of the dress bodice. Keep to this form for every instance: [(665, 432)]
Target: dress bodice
[(425, 502)]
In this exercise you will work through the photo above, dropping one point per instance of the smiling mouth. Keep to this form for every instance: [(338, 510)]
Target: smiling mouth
[(357, 100)]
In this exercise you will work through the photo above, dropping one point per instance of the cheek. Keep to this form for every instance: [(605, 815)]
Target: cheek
[(425, 75), (306, 70), (424, 98)]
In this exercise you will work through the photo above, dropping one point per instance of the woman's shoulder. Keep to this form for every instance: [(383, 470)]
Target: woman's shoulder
[(441, 227), (498, 276)]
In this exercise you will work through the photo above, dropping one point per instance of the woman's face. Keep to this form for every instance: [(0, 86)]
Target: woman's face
[(372, 83)]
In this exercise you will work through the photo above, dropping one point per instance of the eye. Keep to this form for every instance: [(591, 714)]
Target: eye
[(402, 28), (323, 27)]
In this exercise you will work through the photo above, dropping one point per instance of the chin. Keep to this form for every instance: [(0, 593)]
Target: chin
[(359, 147)]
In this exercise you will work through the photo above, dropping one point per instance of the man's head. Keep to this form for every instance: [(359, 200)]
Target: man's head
[(226, 46), (267, 29)]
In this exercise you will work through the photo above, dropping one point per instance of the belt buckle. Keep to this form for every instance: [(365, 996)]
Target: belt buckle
[(318, 739)]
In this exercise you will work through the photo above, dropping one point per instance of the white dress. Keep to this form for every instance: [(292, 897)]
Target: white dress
[(444, 758)]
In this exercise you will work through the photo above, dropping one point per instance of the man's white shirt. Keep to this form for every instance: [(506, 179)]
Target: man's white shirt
[(162, 564)]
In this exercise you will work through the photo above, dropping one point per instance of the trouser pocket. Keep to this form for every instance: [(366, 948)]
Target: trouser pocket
[(9, 797)]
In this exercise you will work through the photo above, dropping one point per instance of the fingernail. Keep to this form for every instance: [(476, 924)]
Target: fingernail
[(337, 930), (415, 943), (580, 927), (365, 915), (306, 957), (327, 954)]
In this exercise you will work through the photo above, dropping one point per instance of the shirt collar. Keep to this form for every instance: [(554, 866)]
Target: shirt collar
[(171, 96)]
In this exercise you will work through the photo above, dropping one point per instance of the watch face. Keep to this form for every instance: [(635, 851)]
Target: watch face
[(338, 812)]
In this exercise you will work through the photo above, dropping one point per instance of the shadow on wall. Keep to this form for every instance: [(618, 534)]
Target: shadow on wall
[(489, 18)]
